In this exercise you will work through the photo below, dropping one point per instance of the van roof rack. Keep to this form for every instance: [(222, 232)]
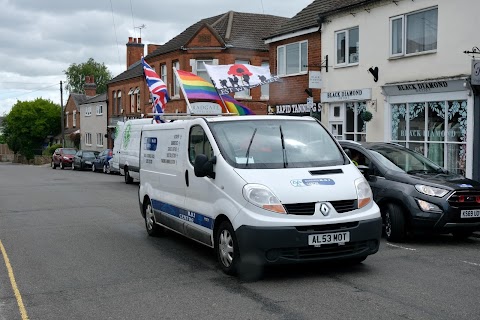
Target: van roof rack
[(183, 116)]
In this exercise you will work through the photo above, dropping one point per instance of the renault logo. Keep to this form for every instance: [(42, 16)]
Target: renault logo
[(324, 209)]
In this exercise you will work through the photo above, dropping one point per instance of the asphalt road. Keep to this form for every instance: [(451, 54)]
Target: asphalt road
[(75, 247)]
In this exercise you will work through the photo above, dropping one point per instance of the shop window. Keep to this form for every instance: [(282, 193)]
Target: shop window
[(414, 32), (347, 47), (292, 58), (355, 127), (436, 129)]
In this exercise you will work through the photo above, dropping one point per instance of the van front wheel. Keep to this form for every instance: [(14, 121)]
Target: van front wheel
[(153, 229), (226, 248)]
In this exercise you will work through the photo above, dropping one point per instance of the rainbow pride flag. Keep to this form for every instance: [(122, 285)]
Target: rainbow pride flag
[(197, 88)]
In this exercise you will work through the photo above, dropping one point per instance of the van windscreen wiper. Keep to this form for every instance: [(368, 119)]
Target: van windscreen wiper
[(249, 145), (284, 151)]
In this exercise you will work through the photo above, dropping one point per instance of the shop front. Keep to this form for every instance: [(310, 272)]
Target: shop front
[(433, 118), (346, 113), (311, 108)]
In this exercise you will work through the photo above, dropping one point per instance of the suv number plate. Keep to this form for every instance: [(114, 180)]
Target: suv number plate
[(470, 214), (328, 238)]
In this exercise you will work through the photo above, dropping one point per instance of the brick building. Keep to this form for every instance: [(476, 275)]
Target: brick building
[(228, 38)]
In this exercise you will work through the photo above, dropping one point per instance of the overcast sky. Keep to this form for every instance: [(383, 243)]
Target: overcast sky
[(39, 39)]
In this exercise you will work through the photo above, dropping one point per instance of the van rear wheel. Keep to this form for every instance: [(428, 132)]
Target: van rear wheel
[(128, 179), (395, 228), (153, 229)]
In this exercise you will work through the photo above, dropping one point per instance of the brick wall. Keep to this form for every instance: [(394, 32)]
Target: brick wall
[(5, 153)]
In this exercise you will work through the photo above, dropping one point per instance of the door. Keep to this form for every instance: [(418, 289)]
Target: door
[(336, 117), (200, 192)]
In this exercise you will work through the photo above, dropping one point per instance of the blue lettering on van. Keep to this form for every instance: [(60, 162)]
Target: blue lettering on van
[(312, 182), (190, 216), (150, 143)]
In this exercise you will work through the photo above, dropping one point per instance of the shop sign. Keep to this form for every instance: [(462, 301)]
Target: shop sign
[(315, 80), (475, 72), (205, 108), (292, 109), (347, 95), (424, 87)]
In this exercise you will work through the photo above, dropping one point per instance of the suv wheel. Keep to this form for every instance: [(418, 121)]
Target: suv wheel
[(93, 167), (52, 164), (394, 223), (61, 165)]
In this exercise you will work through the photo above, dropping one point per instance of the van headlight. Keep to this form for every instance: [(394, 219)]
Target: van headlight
[(364, 193), (262, 197), (431, 191)]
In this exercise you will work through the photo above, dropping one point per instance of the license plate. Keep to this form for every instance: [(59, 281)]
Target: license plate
[(328, 238), (470, 214)]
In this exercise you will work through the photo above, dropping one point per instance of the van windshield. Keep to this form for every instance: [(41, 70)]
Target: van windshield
[(272, 144)]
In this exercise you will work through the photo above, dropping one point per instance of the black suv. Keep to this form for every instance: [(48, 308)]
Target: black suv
[(415, 194)]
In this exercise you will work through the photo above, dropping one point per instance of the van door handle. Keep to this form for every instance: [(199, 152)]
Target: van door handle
[(186, 178)]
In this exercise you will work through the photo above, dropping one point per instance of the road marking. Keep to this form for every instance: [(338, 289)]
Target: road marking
[(21, 307), (405, 248), (472, 263)]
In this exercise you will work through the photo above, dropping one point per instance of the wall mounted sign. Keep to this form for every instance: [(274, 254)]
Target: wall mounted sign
[(347, 95), (434, 86), (293, 109), (206, 108), (476, 72), (315, 80)]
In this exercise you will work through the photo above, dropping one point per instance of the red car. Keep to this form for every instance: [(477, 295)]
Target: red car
[(63, 157)]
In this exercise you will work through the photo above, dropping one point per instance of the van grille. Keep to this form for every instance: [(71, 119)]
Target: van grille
[(328, 227), (308, 209), (325, 251), (465, 199)]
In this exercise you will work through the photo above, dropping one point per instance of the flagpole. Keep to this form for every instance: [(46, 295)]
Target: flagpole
[(183, 90), (211, 80)]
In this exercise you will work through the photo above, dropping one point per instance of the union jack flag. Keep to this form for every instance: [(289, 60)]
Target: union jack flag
[(157, 88)]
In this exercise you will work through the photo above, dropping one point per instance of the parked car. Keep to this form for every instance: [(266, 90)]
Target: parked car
[(101, 162), (63, 157), (415, 194), (83, 159), (112, 168)]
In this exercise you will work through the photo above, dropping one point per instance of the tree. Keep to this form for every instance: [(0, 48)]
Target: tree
[(76, 74), (29, 123)]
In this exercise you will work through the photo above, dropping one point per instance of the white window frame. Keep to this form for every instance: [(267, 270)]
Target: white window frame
[(137, 98), (88, 139), (176, 84), (99, 110), (164, 74), (283, 63), (99, 140), (88, 111), (66, 117), (132, 100), (347, 41), (404, 18), (74, 121)]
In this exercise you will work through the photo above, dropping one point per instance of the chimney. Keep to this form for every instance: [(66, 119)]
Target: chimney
[(90, 87), (134, 50)]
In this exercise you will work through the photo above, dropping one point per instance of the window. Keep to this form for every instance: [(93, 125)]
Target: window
[(292, 58), (245, 94), (163, 73), (346, 122), (201, 70), (88, 139), (114, 103), (99, 140), (137, 97), (436, 129), (132, 100), (99, 110), (74, 114), (88, 111), (66, 118), (176, 85), (119, 102), (347, 46), (199, 144), (414, 32), (265, 89)]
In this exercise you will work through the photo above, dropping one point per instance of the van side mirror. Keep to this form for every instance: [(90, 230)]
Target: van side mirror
[(365, 170), (204, 167)]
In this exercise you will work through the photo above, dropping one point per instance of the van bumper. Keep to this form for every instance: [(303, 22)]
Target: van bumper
[(284, 245)]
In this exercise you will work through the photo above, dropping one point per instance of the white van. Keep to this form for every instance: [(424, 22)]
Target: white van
[(258, 189), (128, 154), (113, 163)]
